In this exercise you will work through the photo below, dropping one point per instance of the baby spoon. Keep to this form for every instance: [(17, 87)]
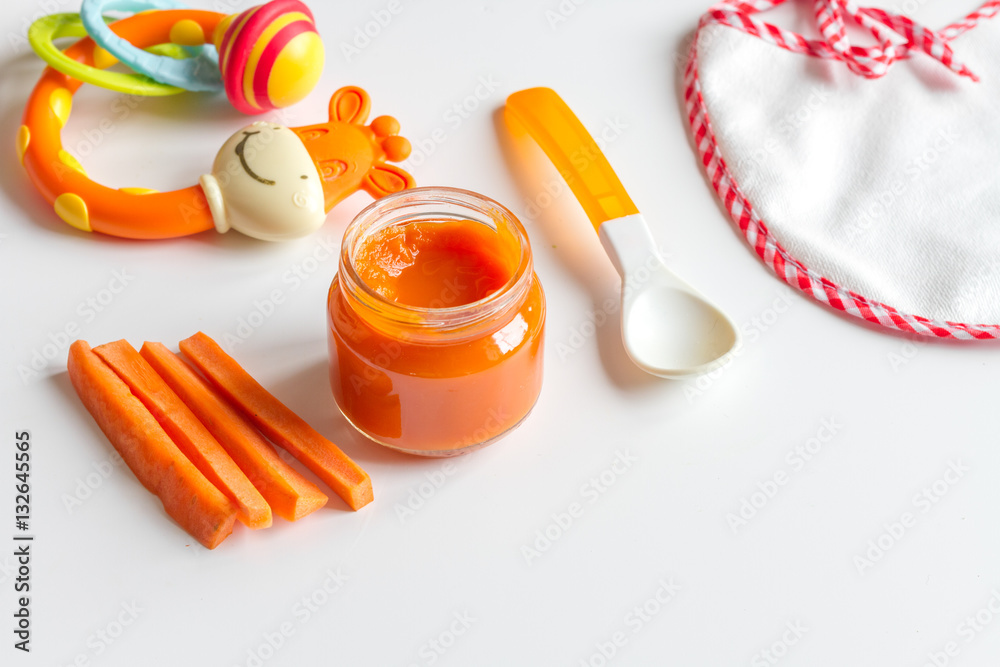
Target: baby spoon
[(669, 328)]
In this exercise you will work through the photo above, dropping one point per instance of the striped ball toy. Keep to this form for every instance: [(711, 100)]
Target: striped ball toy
[(270, 56)]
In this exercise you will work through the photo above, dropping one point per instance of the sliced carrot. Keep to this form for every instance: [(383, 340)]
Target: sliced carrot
[(187, 496), (189, 434), (280, 424), (290, 495)]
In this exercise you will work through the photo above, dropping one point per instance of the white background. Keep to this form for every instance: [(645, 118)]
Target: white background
[(903, 411)]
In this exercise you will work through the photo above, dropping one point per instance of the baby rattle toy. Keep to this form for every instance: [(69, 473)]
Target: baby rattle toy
[(266, 57), (268, 181)]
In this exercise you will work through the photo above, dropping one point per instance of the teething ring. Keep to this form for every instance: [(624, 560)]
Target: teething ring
[(45, 30), (268, 181), (61, 179), (266, 57), (198, 73)]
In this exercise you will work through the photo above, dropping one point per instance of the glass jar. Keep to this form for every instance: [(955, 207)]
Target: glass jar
[(448, 375)]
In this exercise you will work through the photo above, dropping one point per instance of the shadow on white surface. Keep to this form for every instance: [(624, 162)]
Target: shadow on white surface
[(532, 171)]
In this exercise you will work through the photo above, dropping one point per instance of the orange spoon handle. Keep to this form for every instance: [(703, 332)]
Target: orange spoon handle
[(574, 153)]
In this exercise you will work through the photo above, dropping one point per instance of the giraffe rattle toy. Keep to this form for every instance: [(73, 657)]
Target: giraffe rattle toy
[(268, 181)]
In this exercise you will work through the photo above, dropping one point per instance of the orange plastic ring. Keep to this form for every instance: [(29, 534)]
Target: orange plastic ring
[(135, 213)]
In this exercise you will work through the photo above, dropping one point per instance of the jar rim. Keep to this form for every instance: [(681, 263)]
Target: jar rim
[(419, 204)]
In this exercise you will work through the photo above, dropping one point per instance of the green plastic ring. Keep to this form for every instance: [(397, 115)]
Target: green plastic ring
[(45, 30)]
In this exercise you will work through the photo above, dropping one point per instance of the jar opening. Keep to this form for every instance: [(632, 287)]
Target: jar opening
[(435, 260)]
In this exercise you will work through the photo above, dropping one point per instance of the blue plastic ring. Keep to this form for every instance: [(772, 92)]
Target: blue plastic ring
[(198, 73)]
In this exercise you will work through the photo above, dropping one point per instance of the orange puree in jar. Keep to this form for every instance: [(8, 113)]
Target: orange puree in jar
[(436, 322), (435, 264)]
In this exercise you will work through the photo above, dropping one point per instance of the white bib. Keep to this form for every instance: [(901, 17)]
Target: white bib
[(878, 196)]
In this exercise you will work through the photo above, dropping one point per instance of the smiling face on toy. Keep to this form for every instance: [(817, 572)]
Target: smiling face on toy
[(264, 184), (276, 183)]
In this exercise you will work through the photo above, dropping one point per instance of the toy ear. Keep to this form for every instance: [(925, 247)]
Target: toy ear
[(384, 179), (350, 105)]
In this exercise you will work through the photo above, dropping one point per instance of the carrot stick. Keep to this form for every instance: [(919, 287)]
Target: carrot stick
[(190, 499), (289, 494), (189, 434), (278, 423)]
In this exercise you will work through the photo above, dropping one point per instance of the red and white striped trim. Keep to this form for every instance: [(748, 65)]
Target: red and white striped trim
[(899, 36)]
